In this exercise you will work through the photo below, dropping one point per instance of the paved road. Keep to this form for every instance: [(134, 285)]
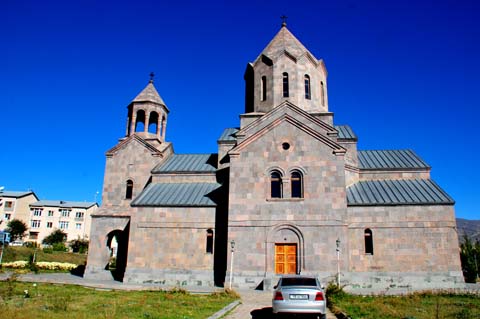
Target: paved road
[(256, 305)]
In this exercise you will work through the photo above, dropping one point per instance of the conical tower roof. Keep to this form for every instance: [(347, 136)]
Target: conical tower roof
[(149, 94), (283, 41)]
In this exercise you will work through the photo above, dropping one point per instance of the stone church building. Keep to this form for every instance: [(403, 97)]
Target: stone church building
[(285, 192)]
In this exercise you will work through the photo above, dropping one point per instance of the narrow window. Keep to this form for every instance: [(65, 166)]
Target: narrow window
[(263, 88), (285, 84), (297, 185), (322, 88), (368, 241), (129, 192), (276, 185), (209, 241), (307, 87)]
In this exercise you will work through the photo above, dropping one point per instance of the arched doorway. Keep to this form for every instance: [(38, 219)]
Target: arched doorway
[(288, 250), (117, 243)]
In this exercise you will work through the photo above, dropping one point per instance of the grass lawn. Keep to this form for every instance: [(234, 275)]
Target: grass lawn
[(417, 305), (52, 301), (23, 253)]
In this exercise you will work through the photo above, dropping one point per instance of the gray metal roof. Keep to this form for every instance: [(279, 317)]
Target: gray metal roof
[(62, 204), (16, 194), (228, 135), (176, 194), (397, 192), (390, 159), (345, 132), (195, 163)]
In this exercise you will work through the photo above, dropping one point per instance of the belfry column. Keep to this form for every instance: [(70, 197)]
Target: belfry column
[(132, 124), (127, 128), (164, 127), (147, 120)]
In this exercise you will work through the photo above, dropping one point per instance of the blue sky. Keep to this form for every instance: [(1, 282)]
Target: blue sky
[(401, 74)]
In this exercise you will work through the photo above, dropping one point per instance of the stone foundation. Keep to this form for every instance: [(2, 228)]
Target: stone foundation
[(169, 277)]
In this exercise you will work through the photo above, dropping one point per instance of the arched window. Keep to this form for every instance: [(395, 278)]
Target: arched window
[(307, 87), (322, 87), (285, 84), (297, 184), (276, 185), (263, 88), (209, 249), (129, 190), (368, 241)]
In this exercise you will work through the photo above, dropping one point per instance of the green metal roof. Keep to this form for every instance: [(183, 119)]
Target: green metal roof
[(191, 163), (397, 192), (228, 135), (390, 159), (345, 132), (177, 195)]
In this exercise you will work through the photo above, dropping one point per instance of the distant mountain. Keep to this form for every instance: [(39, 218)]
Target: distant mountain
[(469, 227)]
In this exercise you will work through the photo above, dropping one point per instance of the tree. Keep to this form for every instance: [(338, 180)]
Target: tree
[(55, 237), (469, 257), (17, 229)]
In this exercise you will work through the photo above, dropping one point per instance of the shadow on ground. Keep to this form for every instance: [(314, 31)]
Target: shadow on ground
[(264, 313)]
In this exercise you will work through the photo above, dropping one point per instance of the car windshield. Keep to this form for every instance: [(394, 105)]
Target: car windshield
[(299, 282)]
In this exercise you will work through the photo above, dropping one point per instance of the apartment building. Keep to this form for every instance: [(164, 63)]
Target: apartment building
[(15, 205), (73, 218)]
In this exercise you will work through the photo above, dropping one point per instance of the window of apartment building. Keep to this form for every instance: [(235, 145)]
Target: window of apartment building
[(64, 213), (79, 214), (33, 235), (50, 213), (78, 226), (37, 212), (8, 216), (9, 204), (63, 225), (49, 224), (35, 224)]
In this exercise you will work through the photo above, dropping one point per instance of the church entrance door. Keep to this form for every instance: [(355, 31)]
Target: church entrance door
[(285, 258)]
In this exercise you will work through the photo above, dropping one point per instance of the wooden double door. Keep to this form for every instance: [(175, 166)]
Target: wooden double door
[(285, 258)]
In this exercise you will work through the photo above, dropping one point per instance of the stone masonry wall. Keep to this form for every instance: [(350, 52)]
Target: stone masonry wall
[(169, 244), (314, 222), (133, 162), (405, 239)]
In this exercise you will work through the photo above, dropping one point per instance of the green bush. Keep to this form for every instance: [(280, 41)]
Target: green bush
[(48, 250), (30, 244), (79, 245), (59, 247)]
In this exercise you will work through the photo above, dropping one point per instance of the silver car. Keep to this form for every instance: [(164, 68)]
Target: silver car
[(299, 295)]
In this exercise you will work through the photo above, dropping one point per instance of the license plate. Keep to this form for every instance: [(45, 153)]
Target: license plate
[(299, 297)]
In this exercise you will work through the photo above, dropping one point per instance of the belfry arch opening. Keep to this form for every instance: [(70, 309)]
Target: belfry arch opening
[(153, 123), (140, 121)]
